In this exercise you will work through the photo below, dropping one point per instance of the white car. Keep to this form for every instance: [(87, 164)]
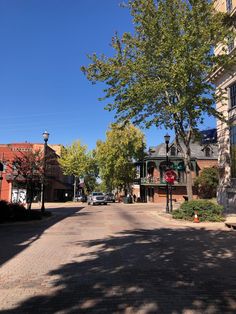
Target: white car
[(97, 198)]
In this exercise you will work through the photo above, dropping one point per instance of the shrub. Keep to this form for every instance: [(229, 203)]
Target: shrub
[(207, 182), (18, 211), (5, 213), (206, 210)]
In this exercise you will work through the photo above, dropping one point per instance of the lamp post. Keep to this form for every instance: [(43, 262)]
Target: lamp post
[(167, 140), (45, 137)]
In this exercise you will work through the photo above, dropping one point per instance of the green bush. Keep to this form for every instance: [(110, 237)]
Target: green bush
[(17, 212), (5, 212), (206, 183), (206, 210)]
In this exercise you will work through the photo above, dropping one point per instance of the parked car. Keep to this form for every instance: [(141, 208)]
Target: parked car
[(97, 198), (110, 197), (81, 198)]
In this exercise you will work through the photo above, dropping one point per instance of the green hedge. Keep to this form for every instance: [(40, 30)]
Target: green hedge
[(17, 212), (206, 210)]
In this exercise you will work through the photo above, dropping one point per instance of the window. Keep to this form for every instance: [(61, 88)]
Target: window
[(233, 150), (230, 43), (173, 151), (232, 92), (207, 152), (228, 5)]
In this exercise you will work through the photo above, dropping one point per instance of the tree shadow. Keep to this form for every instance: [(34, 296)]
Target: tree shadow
[(146, 271), (15, 237)]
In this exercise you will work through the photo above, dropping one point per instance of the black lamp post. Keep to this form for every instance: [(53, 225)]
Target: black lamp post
[(45, 137), (167, 140)]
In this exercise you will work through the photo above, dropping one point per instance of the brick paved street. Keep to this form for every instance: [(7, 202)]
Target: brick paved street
[(116, 259)]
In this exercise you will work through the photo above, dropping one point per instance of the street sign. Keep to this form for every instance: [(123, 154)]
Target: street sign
[(170, 176)]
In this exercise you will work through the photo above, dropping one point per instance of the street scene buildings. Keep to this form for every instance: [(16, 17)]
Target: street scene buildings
[(131, 222), (13, 186), (153, 185)]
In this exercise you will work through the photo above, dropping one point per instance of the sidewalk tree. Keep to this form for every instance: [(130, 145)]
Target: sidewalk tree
[(116, 155), (26, 169), (77, 161), (159, 74)]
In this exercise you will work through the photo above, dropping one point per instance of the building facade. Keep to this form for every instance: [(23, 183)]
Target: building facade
[(153, 184), (13, 187), (225, 80)]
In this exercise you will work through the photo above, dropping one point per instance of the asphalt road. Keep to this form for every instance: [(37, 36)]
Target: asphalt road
[(116, 259)]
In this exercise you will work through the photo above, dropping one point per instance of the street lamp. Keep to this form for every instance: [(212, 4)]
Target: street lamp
[(45, 138), (167, 140)]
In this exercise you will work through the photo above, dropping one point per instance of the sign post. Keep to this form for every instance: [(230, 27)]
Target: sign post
[(170, 177)]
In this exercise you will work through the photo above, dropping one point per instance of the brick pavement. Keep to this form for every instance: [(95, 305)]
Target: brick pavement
[(116, 259)]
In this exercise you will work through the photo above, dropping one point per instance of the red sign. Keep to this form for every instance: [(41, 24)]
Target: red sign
[(170, 176)]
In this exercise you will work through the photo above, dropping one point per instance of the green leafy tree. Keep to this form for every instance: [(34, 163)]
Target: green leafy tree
[(160, 74), (116, 155), (77, 161), (207, 182)]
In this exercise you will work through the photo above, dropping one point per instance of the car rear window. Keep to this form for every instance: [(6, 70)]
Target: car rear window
[(97, 193)]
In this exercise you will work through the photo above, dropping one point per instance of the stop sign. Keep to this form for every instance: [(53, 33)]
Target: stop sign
[(170, 176)]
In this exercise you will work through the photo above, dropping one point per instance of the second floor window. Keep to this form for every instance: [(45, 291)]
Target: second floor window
[(173, 151), (232, 91), (207, 152), (228, 5)]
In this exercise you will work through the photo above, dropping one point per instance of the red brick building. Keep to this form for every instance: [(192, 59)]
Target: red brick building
[(152, 182), (58, 186)]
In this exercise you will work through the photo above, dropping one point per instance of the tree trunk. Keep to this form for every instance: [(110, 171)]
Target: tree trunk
[(188, 169), (75, 186)]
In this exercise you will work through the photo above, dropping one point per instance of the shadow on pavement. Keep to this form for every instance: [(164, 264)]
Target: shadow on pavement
[(146, 271), (16, 237)]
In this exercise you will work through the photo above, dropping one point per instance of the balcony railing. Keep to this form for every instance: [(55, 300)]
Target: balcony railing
[(150, 180), (157, 180)]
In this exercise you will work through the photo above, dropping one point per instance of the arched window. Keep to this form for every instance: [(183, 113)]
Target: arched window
[(207, 152), (173, 151)]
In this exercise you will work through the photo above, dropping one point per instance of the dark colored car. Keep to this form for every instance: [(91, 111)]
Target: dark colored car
[(81, 198), (110, 197)]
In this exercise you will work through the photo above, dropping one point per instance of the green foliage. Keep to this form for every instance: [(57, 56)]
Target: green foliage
[(207, 182), (115, 157), (159, 75), (206, 210), (74, 159), (17, 212)]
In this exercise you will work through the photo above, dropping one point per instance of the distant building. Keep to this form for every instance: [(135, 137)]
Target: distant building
[(225, 80), (58, 186), (204, 154)]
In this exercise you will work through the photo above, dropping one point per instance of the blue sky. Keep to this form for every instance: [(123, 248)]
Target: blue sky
[(43, 45)]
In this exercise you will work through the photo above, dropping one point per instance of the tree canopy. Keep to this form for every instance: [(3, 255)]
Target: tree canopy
[(74, 159), (159, 75), (115, 156)]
